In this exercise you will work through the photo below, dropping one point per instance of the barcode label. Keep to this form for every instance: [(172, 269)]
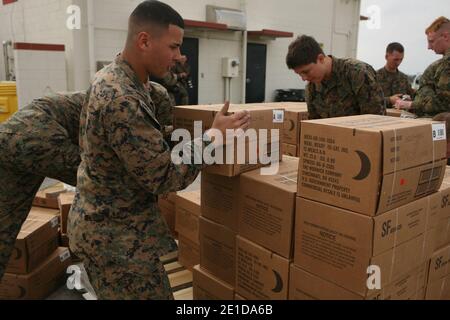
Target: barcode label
[(278, 116), (55, 222), (64, 256), (439, 132)]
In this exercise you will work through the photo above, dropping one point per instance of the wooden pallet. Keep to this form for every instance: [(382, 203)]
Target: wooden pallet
[(180, 278)]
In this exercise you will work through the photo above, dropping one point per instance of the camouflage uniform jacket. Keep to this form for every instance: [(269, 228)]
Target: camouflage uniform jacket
[(352, 90), (433, 96), (125, 164), (393, 83)]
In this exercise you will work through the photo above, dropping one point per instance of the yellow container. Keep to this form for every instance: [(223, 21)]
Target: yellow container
[(8, 100)]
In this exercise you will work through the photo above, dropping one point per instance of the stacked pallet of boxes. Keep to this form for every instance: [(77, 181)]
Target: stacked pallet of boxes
[(246, 232), (187, 208), (59, 200), (238, 254), (438, 280), (37, 266), (367, 207)]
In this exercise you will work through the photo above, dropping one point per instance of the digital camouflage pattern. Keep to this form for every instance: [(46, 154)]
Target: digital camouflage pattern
[(393, 83), (352, 90), (182, 82), (41, 140), (433, 96), (38, 141), (176, 85), (115, 223)]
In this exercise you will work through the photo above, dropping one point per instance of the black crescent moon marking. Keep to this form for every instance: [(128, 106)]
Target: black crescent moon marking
[(292, 123), (278, 281), (365, 166)]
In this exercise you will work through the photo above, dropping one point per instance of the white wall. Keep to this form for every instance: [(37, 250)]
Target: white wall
[(44, 21), (39, 73), (332, 22), (314, 18)]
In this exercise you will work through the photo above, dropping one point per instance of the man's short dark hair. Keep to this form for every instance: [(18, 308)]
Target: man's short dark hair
[(303, 51), (154, 13), (395, 46)]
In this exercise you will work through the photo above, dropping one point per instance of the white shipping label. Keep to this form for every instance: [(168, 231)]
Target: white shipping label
[(64, 256), (278, 116), (439, 132)]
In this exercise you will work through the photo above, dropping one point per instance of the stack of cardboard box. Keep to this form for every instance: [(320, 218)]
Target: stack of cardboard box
[(187, 208), (48, 197), (246, 234), (367, 207), (37, 265), (438, 280), (246, 222), (58, 198)]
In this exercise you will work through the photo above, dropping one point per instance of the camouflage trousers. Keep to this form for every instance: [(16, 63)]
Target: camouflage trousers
[(25, 160), (112, 280)]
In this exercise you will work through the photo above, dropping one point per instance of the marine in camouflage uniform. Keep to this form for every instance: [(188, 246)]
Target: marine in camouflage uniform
[(351, 90), (115, 225), (393, 83), (433, 96), (41, 140), (38, 141), (182, 72), (177, 85)]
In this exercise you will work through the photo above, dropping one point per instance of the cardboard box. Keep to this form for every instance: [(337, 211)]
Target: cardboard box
[(442, 234), (45, 211), (48, 198), (263, 117), (46, 278), (260, 273), (439, 264), (338, 244), (37, 239), (267, 207), (439, 289), (370, 164), (187, 207), (220, 199), (65, 203), (420, 295), (444, 194), (292, 123), (166, 205), (240, 166), (391, 112), (188, 253), (238, 297), (289, 149), (304, 285), (208, 287), (218, 250)]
